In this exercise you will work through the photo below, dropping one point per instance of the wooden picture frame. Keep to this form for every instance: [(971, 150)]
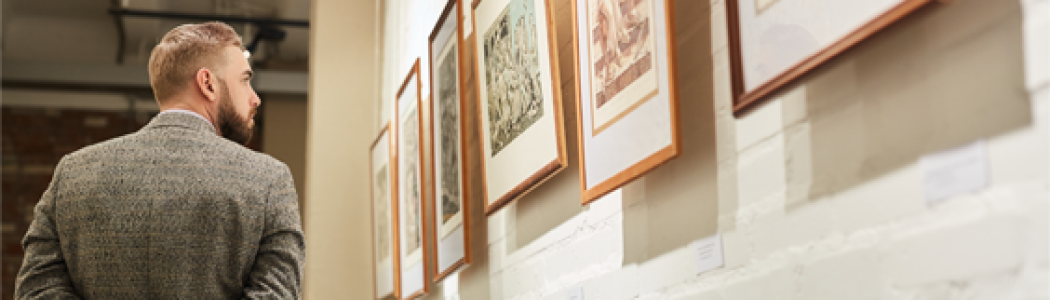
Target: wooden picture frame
[(757, 74), (529, 147), (626, 97), (448, 131), (382, 217), (410, 218)]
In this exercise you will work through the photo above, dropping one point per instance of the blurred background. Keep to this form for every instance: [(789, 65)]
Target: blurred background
[(74, 74)]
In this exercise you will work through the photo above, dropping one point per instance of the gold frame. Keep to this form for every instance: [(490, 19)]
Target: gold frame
[(414, 72), (464, 168), (550, 169), (371, 195), (744, 101), (655, 159)]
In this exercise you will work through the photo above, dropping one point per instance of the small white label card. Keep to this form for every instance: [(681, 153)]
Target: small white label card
[(708, 253), (955, 171), (576, 292)]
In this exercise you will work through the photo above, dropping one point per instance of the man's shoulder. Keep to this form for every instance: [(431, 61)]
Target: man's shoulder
[(145, 144), (248, 156), (94, 151)]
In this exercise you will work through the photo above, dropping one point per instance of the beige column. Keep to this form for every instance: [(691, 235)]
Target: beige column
[(343, 90)]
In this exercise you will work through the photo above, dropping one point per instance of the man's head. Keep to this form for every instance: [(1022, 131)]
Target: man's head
[(203, 68)]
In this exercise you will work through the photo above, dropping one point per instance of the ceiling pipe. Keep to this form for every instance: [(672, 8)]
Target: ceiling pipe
[(268, 30), (204, 17)]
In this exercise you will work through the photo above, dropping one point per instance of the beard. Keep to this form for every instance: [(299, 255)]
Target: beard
[(231, 125)]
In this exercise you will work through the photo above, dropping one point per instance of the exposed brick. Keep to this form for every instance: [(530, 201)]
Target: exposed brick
[(31, 143), (12, 248)]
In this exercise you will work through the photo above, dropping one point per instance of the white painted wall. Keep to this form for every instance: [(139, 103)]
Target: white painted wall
[(818, 194)]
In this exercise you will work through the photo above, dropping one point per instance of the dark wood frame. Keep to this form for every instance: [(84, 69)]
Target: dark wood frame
[(371, 194), (655, 159), (413, 73), (464, 168), (744, 101), (556, 165)]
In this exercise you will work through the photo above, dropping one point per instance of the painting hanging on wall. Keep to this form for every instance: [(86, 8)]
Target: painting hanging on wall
[(627, 100), (621, 57), (774, 42), (411, 194), (382, 221), (448, 144), (519, 102)]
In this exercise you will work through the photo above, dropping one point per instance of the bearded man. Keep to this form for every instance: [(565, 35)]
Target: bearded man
[(179, 209)]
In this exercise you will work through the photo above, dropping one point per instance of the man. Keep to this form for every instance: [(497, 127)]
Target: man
[(173, 210)]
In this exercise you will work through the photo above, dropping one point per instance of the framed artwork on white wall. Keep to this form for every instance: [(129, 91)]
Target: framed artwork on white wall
[(626, 100), (449, 171), (411, 195), (382, 219), (774, 42), (519, 98)]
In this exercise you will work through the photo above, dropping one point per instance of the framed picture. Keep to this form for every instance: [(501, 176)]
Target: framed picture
[(519, 100), (411, 194), (448, 144), (382, 220), (626, 91), (774, 42)]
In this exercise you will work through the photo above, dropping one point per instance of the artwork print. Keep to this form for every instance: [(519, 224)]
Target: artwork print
[(622, 58), (413, 226), (512, 74), (382, 207), (449, 189)]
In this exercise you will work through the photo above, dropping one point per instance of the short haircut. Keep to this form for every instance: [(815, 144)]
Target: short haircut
[(184, 50)]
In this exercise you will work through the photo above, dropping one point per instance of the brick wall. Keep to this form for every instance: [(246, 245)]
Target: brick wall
[(818, 194)]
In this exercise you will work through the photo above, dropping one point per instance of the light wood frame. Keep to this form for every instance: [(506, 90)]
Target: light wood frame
[(744, 101), (391, 187), (464, 168), (653, 160), (413, 74), (550, 169)]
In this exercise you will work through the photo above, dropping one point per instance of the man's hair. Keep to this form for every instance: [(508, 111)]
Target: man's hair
[(184, 50)]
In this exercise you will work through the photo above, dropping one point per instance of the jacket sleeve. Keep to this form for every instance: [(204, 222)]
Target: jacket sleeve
[(44, 273), (278, 269)]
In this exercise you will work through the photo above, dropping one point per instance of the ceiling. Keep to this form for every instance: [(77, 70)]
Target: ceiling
[(83, 31)]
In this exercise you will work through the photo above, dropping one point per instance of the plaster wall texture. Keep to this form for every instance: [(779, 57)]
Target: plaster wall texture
[(818, 194), (343, 87)]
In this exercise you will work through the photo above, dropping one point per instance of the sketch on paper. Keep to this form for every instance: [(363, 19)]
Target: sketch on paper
[(449, 189), (382, 207), (413, 230), (622, 57), (512, 74)]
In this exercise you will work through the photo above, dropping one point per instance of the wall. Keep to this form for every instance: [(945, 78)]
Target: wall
[(284, 118), (343, 89), (818, 194)]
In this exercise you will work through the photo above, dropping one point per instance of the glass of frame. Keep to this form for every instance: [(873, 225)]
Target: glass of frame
[(774, 42), (413, 257), (448, 144), (626, 91), (382, 221), (519, 102)]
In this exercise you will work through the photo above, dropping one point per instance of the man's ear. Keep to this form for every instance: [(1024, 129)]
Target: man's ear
[(205, 82)]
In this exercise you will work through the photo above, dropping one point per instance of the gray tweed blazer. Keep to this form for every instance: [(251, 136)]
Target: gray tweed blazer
[(172, 211)]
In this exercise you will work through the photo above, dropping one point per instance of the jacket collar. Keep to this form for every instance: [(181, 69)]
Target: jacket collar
[(184, 120)]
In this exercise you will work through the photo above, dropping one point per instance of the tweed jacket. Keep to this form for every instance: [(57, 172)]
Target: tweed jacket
[(172, 211)]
